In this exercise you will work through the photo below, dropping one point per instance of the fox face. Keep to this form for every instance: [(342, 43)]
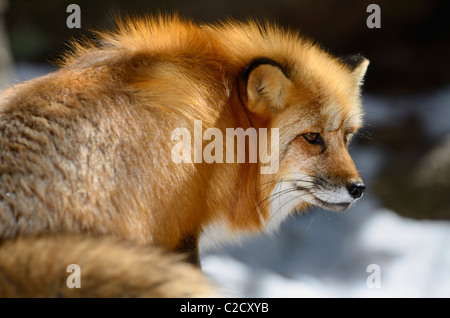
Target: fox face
[(317, 110)]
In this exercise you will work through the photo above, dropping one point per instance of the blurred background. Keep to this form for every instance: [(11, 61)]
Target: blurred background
[(403, 222)]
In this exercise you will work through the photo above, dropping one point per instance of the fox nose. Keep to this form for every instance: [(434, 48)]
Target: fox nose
[(356, 190)]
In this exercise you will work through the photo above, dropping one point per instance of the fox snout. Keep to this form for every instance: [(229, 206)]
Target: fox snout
[(356, 190), (331, 194)]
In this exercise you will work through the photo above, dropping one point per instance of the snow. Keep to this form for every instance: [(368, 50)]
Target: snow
[(316, 256)]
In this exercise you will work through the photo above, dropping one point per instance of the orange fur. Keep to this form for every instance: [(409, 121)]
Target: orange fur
[(87, 149)]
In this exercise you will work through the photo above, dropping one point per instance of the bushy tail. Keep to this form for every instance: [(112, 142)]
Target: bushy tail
[(103, 267)]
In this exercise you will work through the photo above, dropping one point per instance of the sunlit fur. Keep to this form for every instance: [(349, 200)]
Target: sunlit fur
[(87, 149)]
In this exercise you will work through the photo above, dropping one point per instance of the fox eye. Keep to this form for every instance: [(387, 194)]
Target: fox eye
[(313, 138)]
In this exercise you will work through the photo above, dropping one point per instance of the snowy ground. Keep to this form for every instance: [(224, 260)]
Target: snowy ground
[(320, 256), (324, 254)]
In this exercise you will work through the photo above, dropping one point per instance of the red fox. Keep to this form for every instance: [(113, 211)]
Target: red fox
[(86, 152)]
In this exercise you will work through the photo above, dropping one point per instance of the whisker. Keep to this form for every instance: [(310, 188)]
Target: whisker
[(269, 183), (281, 207), (268, 198), (278, 193), (308, 184)]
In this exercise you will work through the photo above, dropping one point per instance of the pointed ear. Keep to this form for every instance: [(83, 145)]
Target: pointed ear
[(267, 87), (358, 66)]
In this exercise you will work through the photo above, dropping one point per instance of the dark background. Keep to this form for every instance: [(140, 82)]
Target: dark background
[(409, 53), (409, 56)]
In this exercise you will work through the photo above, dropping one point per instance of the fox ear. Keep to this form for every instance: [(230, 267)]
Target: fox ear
[(358, 66), (267, 86)]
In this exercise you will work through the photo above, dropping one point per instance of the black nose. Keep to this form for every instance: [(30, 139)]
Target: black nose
[(356, 190)]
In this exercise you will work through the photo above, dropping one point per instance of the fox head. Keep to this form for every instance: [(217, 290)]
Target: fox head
[(315, 104)]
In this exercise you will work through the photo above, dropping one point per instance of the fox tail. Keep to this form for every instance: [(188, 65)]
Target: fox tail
[(75, 266)]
